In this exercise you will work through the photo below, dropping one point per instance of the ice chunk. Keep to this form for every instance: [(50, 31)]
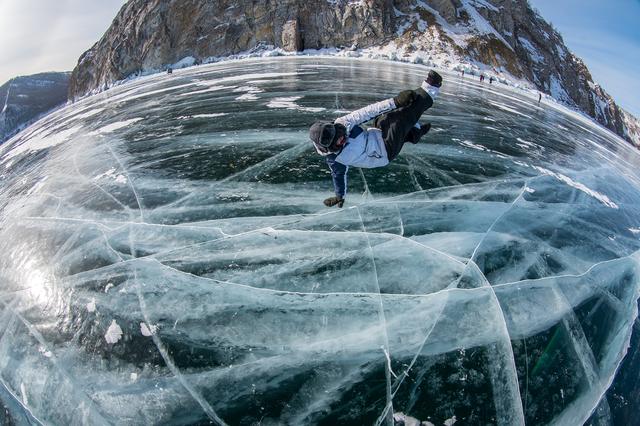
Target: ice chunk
[(114, 333), (147, 330)]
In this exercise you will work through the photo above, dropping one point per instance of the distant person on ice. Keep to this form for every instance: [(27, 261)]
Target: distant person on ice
[(345, 143)]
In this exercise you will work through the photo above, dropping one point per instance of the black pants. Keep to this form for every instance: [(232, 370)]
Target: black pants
[(397, 124)]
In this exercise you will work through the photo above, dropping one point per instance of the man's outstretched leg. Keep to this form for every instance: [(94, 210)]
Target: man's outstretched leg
[(397, 125)]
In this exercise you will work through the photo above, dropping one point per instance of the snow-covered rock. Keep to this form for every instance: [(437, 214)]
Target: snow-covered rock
[(23, 99)]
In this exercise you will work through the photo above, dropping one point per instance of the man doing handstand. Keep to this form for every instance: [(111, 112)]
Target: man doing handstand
[(345, 143)]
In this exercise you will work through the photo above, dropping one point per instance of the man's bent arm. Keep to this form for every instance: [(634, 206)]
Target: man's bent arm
[(365, 114), (338, 174)]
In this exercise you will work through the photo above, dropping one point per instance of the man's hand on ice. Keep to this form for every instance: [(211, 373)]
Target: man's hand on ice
[(332, 201)]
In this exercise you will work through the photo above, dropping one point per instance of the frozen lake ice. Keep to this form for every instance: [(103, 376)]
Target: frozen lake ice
[(166, 257)]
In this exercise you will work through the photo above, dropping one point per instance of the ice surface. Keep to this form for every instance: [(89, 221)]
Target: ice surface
[(167, 257)]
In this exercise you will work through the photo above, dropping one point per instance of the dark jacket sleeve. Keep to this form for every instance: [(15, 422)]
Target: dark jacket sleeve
[(338, 174)]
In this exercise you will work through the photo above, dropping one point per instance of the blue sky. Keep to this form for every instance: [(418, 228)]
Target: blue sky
[(50, 35), (606, 35)]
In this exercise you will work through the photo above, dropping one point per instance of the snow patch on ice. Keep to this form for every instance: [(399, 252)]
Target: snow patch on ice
[(451, 421), (89, 113), (53, 138), (45, 352), (148, 330), (115, 126), (579, 186), (218, 114), (114, 333), (91, 306), (191, 117), (250, 93), (506, 108), (525, 142), (248, 89), (108, 287), (635, 230), (111, 174), (207, 90), (247, 97), (526, 145), (401, 418), (290, 103), (250, 77), (134, 377), (472, 145)]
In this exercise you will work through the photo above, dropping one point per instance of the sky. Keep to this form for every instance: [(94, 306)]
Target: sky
[(606, 35), (50, 35)]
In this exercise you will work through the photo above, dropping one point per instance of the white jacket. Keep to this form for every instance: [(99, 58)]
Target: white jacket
[(367, 148)]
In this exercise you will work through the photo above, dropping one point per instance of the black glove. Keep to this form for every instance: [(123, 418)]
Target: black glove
[(424, 129), (404, 98), (434, 79), (332, 201), (415, 134)]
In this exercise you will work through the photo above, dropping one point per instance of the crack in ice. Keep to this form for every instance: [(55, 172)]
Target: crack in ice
[(383, 320), (96, 415), (91, 182), (210, 412)]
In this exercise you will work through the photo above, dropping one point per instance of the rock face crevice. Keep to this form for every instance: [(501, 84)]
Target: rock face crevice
[(506, 35)]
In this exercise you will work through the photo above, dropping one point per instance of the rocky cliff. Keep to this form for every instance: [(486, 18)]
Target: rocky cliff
[(23, 99), (505, 37)]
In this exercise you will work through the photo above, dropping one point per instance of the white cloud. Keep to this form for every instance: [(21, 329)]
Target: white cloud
[(44, 35)]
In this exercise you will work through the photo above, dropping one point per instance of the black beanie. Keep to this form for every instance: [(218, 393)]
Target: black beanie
[(322, 133)]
